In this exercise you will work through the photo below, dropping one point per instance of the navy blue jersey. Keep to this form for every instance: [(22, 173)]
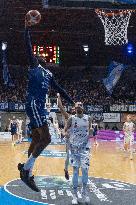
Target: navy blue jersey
[(40, 78), (95, 128), (39, 83), (13, 127)]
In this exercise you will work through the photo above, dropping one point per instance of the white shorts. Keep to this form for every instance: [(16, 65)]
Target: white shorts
[(128, 139), (79, 157)]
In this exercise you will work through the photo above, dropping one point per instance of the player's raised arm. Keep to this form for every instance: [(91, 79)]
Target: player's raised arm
[(33, 17), (32, 59), (90, 126), (62, 110)]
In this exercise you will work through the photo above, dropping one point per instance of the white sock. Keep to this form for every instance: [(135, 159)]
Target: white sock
[(30, 163)]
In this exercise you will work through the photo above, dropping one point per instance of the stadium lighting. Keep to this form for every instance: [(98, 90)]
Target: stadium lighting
[(4, 46), (86, 48), (130, 49)]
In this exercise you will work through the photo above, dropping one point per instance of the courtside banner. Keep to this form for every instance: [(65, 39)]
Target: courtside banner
[(118, 108), (11, 106), (122, 108), (111, 117), (132, 108), (94, 108), (98, 116), (125, 1), (5, 136)]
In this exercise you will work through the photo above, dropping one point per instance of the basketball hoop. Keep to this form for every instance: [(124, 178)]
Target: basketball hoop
[(115, 24)]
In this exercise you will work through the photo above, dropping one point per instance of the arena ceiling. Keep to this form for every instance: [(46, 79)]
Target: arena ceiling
[(66, 27)]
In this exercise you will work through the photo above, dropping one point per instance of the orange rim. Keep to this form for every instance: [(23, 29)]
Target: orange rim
[(113, 12)]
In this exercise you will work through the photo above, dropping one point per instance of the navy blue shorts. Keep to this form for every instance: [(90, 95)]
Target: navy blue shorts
[(36, 113), (13, 131), (94, 133)]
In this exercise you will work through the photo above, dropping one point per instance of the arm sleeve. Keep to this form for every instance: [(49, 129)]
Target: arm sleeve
[(60, 90), (32, 59)]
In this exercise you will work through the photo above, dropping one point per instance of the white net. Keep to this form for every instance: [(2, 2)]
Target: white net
[(115, 25)]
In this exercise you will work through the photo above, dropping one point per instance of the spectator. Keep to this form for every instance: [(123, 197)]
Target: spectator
[(107, 127), (77, 84), (115, 127)]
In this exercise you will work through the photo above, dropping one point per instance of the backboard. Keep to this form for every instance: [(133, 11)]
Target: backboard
[(126, 4)]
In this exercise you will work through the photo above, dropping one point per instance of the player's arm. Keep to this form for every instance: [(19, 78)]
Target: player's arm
[(97, 127), (124, 127), (134, 127), (32, 59), (88, 146), (62, 110), (4, 47), (9, 127), (17, 123), (68, 124), (60, 90), (90, 126)]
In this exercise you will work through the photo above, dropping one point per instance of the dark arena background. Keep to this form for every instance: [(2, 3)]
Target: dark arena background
[(90, 48)]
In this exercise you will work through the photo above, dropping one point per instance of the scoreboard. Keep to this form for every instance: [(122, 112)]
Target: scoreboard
[(50, 53)]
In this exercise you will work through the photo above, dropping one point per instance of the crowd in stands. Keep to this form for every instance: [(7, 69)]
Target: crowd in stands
[(79, 84), (16, 93)]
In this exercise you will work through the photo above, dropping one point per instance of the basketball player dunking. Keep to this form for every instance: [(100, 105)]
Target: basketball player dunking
[(79, 127), (128, 129), (40, 79)]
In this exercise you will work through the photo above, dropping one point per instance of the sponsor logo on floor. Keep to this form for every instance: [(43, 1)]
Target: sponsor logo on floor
[(56, 190), (52, 153)]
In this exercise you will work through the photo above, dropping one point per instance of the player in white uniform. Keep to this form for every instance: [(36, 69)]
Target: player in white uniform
[(79, 127), (128, 129), (66, 116), (19, 129)]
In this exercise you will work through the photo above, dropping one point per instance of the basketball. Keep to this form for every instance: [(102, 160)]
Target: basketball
[(33, 17)]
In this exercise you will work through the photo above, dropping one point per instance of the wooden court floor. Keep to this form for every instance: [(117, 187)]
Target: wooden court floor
[(107, 161)]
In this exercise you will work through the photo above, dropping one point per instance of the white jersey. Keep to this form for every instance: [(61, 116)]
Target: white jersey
[(79, 131), (19, 123), (129, 132), (129, 128)]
